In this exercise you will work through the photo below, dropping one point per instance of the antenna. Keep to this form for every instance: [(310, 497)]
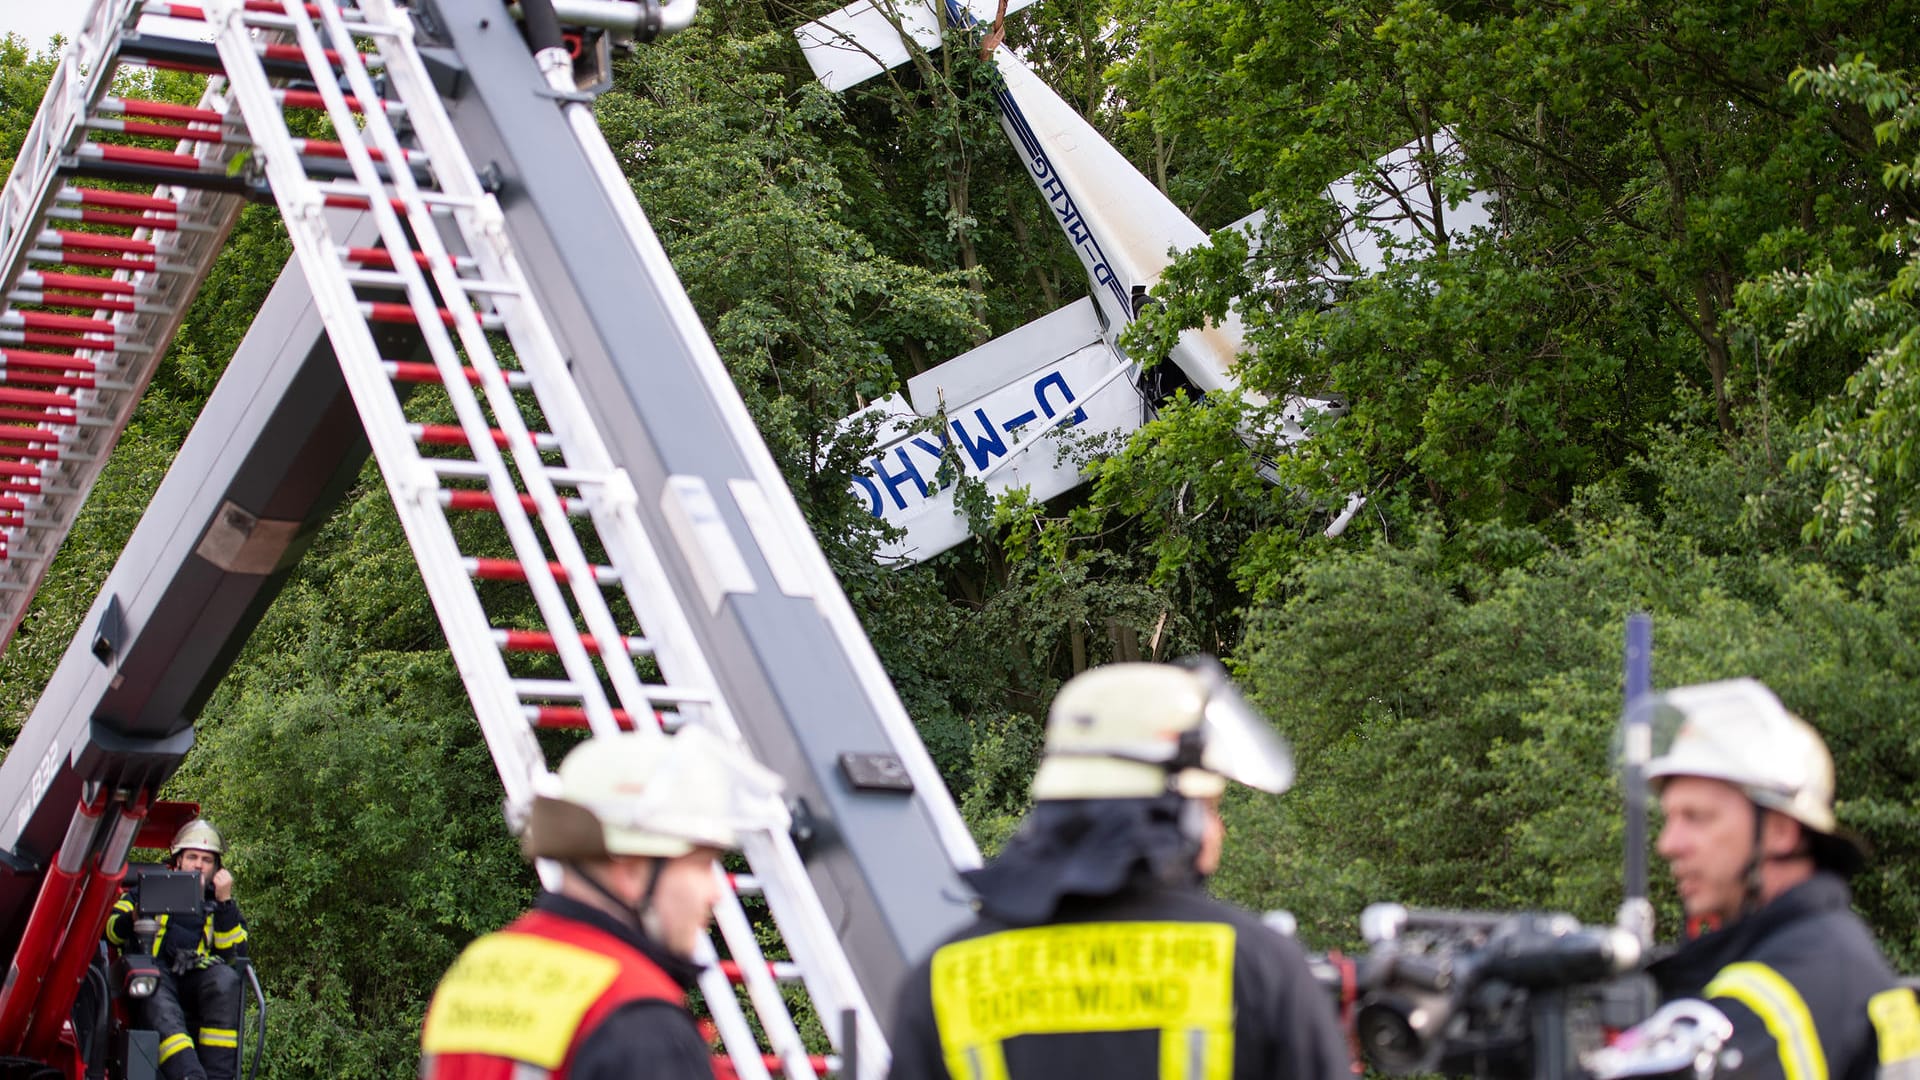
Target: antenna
[(1636, 720)]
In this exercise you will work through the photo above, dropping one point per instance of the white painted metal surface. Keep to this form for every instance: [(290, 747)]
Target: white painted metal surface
[(462, 279), (981, 415), (1125, 232)]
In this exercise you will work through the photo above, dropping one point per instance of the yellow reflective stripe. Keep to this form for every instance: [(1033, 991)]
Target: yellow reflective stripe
[(225, 1037), (173, 1044), (516, 996), (1780, 1007), (1174, 1055), (227, 939), (1176, 978), (1896, 1022), (1196, 1054), (983, 1062), (123, 906), (206, 935)]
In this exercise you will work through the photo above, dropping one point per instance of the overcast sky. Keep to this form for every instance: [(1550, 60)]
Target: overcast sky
[(39, 20)]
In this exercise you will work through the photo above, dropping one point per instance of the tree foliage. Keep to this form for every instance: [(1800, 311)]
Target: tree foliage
[(1673, 375), (1857, 301), (1454, 702)]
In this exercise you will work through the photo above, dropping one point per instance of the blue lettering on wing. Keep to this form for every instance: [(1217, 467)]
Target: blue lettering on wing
[(896, 483), (868, 491), (1078, 232), (893, 481), (990, 445), (1103, 275), (943, 470), (1058, 380)]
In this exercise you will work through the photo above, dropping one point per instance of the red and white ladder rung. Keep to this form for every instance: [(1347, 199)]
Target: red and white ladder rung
[(551, 484), (94, 280)]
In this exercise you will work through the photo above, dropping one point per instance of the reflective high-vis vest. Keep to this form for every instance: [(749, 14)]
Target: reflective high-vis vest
[(1896, 1025), (1780, 1007), (1172, 977), (518, 1003), (1894, 1013), (204, 939)]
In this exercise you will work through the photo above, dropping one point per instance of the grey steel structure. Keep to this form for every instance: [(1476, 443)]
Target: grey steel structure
[(280, 441), (805, 685), (273, 452)]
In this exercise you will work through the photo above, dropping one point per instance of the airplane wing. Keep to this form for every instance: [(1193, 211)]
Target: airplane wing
[(1010, 407), (867, 37), (1124, 230), (1390, 200)]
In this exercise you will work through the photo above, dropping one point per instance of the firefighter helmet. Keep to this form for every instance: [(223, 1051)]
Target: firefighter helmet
[(199, 835), (649, 794), (1131, 731), (1737, 732)]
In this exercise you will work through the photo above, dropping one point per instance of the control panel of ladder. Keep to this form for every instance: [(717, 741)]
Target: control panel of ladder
[(496, 467)]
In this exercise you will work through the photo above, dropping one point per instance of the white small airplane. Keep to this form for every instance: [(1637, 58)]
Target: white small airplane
[(1018, 392)]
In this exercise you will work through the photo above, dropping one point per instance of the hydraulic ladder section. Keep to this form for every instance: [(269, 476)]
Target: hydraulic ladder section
[(277, 445), (606, 539), (115, 210), (764, 606), (610, 648)]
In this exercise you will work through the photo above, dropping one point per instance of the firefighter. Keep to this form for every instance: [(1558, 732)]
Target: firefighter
[(594, 979), (1096, 951), (1761, 866), (198, 983)]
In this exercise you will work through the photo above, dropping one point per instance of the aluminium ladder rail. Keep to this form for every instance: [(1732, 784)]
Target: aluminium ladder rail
[(94, 281), (494, 356)]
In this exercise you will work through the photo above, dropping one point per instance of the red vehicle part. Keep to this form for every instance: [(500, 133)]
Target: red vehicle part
[(82, 940)]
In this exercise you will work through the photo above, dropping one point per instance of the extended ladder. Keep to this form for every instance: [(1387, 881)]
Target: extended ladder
[(94, 280), (521, 447)]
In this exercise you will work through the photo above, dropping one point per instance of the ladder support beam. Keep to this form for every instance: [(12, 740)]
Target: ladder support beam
[(590, 402), (804, 688), (276, 448)]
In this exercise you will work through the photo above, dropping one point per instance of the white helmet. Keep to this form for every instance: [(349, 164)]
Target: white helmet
[(199, 835), (642, 793), (1738, 732), (1136, 731)]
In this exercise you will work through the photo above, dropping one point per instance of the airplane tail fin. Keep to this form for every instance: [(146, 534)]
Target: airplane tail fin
[(863, 39)]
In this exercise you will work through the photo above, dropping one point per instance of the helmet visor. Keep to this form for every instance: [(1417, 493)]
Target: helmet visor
[(1646, 731), (1237, 741)]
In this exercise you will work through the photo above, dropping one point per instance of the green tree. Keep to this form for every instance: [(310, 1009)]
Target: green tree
[(1454, 719), (1643, 162), (23, 80), (1857, 301)]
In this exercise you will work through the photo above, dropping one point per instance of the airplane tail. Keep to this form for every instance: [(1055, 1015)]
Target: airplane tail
[(863, 39)]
